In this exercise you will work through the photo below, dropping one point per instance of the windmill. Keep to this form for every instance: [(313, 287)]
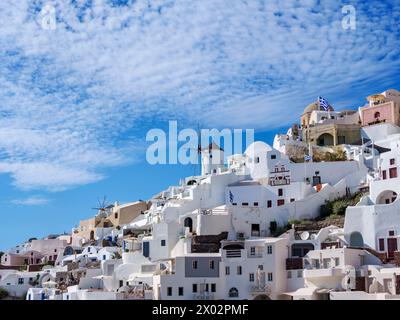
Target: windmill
[(198, 150), (103, 207)]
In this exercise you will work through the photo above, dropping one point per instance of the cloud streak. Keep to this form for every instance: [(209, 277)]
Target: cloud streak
[(77, 100), (30, 201)]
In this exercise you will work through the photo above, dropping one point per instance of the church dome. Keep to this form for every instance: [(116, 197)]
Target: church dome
[(311, 107), (257, 148)]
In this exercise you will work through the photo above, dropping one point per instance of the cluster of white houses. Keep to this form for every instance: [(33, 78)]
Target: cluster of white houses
[(223, 234)]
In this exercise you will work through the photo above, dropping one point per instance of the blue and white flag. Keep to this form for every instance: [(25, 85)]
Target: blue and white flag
[(323, 103), (307, 158), (230, 196)]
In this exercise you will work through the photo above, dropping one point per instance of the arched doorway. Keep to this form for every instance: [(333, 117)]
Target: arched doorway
[(386, 197), (233, 293), (188, 223), (262, 297), (325, 139), (356, 240), (92, 235)]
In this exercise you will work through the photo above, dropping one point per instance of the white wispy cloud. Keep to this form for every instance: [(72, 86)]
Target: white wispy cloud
[(30, 201), (78, 99)]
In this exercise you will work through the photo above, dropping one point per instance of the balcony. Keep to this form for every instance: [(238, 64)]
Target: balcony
[(294, 263), (320, 273), (233, 253), (203, 296)]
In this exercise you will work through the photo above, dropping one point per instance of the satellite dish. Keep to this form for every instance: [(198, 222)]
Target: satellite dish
[(304, 235)]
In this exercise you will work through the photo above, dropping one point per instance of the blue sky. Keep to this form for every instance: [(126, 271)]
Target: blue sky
[(76, 102)]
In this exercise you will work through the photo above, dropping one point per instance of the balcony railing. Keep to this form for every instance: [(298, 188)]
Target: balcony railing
[(234, 253), (294, 263), (203, 296)]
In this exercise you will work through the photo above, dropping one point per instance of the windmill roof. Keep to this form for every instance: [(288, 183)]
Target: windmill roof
[(212, 146)]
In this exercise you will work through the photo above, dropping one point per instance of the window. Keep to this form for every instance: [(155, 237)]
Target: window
[(121, 283), (206, 288), (299, 273), (253, 251), (211, 264), (255, 230), (255, 204), (269, 203), (213, 287), (257, 160), (20, 280), (337, 262), (245, 204), (116, 215), (55, 250), (392, 162), (261, 267), (233, 293), (251, 277), (239, 270), (393, 173), (384, 174), (194, 264), (194, 287), (273, 156), (280, 192), (169, 291), (289, 274), (269, 249), (163, 242), (280, 202), (234, 204), (341, 139), (227, 270), (292, 200), (270, 278), (381, 244), (180, 291), (391, 233)]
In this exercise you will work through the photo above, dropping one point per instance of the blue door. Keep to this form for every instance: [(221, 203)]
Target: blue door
[(146, 249)]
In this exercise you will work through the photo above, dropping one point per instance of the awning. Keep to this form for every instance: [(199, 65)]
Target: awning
[(323, 290), (301, 292)]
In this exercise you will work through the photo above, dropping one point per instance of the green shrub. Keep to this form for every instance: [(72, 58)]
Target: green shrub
[(338, 206)]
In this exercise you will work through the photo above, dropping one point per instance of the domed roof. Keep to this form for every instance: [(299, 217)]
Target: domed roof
[(315, 106), (258, 146), (311, 107)]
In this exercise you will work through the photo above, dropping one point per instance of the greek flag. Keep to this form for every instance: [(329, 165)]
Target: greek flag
[(230, 196), (323, 103), (307, 158)]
